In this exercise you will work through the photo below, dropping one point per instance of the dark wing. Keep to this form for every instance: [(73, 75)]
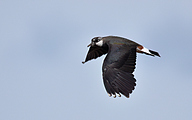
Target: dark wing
[(117, 73), (95, 51)]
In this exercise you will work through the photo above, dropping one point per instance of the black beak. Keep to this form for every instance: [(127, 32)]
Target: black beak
[(89, 45)]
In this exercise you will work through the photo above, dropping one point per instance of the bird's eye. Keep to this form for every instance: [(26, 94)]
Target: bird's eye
[(96, 39), (99, 38)]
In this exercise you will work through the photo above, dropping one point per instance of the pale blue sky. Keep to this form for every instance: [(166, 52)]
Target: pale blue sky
[(43, 42)]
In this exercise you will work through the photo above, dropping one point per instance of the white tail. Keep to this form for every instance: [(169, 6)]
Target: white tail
[(141, 49)]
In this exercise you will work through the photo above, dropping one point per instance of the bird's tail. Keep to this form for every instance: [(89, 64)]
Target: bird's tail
[(141, 49)]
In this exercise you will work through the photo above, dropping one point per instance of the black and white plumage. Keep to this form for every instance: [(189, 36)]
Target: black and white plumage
[(119, 64)]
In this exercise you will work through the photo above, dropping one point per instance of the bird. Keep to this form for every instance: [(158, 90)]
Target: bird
[(119, 63)]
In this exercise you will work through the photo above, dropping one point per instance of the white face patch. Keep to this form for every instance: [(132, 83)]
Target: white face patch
[(100, 43)]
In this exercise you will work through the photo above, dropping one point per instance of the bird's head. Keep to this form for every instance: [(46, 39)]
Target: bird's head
[(96, 41)]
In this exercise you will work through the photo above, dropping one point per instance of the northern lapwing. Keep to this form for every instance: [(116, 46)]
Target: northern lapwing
[(119, 63)]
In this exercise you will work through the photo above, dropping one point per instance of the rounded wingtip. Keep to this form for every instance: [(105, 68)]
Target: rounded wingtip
[(83, 62), (127, 96)]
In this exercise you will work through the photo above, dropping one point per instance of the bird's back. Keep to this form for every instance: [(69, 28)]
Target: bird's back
[(114, 40)]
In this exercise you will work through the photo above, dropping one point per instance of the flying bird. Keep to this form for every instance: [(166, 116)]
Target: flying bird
[(119, 63)]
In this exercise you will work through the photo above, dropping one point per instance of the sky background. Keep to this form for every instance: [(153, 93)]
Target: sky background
[(43, 42)]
